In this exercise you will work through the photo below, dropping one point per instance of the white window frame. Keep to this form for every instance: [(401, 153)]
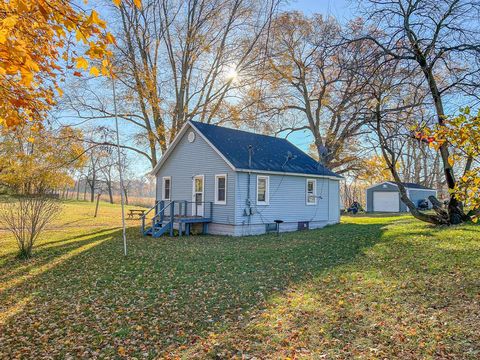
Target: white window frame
[(220, 202), (267, 190), (163, 188), (314, 192)]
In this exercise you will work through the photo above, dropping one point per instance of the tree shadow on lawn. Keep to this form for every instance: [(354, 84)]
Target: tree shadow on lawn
[(403, 298), (45, 253), (172, 293), (167, 292)]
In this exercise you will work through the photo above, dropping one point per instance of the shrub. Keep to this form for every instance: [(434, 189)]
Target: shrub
[(26, 217)]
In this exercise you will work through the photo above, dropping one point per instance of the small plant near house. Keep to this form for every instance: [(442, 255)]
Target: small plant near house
[(26, 217)]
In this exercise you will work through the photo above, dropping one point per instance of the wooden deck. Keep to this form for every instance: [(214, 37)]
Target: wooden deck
[(163, 221)]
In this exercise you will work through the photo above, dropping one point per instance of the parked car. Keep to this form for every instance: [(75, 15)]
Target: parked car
[(422, 204)]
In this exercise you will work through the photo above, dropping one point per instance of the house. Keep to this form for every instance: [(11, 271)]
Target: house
[(385, 197), (234, 182)]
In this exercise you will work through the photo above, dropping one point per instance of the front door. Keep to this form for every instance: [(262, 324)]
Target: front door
[(197, 196)]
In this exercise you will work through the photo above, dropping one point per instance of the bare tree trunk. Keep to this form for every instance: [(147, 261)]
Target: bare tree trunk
[(78, 188), (110, 192), (126, 195)]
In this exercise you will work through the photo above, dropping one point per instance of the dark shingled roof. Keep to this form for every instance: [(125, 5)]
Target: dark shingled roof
[(415, 186), (269, 153)]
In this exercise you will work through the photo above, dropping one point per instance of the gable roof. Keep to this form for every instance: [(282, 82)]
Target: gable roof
[(268, 153), (410, 185), (407, 185)]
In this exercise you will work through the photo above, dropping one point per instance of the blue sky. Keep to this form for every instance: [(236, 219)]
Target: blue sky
[(340, 9)]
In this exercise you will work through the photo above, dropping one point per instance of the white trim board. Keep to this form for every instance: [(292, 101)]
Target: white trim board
[(218, 202), (314, 203), (267, 191), (289, 173), (169, 190)]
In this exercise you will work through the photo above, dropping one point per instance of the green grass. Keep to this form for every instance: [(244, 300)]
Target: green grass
[(371, 287)]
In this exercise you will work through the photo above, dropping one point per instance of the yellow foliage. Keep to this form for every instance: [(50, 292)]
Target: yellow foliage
[(374, 170), (463, 134), (33, 36), (33, 161)]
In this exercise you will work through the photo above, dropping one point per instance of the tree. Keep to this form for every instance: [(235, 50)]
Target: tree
[(462, 133), (312, 83), (440, 39), (176, 61), (39, 161), (35, 40), (374, 171), (26, 217)]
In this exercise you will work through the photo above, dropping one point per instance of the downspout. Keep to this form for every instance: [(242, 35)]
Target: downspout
[(249, 172), (248, 209)]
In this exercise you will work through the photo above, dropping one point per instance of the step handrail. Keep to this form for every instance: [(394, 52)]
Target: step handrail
[(162, 210), (144, 216), (161, 214)]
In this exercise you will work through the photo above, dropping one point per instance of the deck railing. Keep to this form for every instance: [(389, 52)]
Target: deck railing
[(178, 211), (154, 207), (185, 209)]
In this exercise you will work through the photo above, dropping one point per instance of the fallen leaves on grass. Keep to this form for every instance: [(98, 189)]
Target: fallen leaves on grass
[(372, 288)]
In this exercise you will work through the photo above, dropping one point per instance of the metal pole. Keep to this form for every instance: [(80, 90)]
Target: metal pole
[(124, 234)]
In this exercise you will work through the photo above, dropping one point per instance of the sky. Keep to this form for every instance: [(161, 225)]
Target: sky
[(340, 9)]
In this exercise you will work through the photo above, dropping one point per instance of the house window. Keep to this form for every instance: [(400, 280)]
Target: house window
[(221, 189), (263, 184), (311, 192), (167, 188)]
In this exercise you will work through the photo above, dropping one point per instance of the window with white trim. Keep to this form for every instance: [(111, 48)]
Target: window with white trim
[(263, 185), (167, 188), (311, 194), (221, 189)]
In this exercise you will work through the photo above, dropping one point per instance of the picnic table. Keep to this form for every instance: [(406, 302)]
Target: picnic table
[(136, 212)]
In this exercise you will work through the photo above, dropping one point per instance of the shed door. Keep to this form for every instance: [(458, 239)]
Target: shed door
[(386, 201)]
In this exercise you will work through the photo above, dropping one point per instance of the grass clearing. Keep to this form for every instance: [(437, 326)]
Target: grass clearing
[(371, 287)]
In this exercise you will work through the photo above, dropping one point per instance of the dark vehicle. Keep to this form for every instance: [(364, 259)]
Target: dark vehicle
[(422, 204), (355, 207)]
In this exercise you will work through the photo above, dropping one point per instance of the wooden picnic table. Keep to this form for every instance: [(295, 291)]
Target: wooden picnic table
[(138, 212)]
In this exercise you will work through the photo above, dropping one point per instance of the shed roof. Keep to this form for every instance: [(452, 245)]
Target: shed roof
[(408, 185), (268, 153)]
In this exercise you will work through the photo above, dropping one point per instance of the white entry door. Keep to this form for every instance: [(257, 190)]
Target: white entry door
[(384, 201), (198, 195)]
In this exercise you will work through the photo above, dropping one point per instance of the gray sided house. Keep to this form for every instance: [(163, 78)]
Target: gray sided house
[(238, 183), (385, 197)]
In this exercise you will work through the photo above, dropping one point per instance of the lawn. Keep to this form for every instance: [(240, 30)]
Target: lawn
[(371, 287)]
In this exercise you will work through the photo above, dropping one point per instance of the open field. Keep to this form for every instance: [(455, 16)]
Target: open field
[(371, 287)]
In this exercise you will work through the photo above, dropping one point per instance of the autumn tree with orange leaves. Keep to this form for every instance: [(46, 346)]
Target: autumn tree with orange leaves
[(38, 43)]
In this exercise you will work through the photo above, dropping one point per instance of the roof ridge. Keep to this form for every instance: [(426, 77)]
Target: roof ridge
[(239, 130), (269, 151)]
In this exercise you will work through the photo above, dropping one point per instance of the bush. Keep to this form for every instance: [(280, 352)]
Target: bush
[(26, 217)]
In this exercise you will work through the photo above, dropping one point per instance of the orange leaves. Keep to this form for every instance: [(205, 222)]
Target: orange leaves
[(35, 42), (94, 19), (94, 71), (137, 3), (462, 134), (82, 63)]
